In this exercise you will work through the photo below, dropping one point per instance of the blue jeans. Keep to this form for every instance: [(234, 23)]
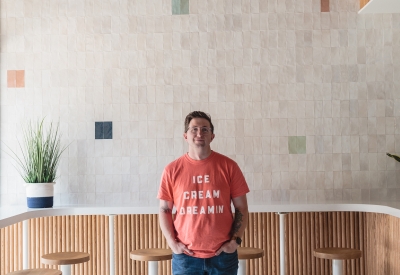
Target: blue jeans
[(223, 264)]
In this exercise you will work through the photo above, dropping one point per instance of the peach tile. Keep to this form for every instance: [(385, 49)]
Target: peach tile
[(20, 79), (11, 78), (324, 5)]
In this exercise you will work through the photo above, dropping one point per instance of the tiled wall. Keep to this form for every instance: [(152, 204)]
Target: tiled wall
[(307, 102)]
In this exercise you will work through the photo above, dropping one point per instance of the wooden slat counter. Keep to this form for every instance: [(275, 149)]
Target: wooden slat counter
[(370, 227)]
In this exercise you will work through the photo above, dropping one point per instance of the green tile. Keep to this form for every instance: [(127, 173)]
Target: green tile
[(292, 145), (176, 6), (301, 145), (184, 6), (180, 6)]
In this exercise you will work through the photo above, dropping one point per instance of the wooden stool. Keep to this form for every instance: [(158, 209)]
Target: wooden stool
[(153, 256), (247, 253), (65, 259), (337, 255), (38, 271)]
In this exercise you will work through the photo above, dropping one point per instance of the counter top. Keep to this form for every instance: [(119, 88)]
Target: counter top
[(17, 213)]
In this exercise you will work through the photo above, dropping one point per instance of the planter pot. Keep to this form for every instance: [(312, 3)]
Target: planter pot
[(40, 195)]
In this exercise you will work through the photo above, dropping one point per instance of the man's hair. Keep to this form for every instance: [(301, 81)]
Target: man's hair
[(198, 114)]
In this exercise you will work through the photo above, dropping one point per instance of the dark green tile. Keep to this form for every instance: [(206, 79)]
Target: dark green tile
[(292, 145), (301, 145), (184, 6)]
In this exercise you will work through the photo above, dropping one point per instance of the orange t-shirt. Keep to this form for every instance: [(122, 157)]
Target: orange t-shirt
[(201, 191)]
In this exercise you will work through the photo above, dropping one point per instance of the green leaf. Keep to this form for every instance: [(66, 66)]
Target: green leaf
[(40, 153), (396, 157)]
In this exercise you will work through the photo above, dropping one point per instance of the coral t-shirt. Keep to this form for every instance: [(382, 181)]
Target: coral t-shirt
[(201, 191)]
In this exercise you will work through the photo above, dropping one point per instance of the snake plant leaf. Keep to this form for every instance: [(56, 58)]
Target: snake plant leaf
[(396, 157)]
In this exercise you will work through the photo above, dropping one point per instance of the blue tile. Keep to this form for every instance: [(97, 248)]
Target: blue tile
[(98, 130), (107, 128)]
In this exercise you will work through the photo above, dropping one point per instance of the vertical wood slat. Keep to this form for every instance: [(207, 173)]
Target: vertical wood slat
[(375, 234)]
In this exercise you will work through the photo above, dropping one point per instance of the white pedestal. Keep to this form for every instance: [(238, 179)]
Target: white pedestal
[(66, 269), (153, 267), (282, 242), (242, 267), (337, 267)]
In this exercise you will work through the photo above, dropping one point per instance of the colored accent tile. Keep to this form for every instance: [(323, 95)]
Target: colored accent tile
[(107, 130), (98, 130), (324, 5), (180, 6), (301, 145), (184, 6), (20, 78), (297, 145), (292, 145), (11, 78)]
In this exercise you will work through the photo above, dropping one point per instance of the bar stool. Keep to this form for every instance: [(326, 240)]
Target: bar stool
[(65, 260), (247, 253), (152, 256), (38, 271), (337, 255)]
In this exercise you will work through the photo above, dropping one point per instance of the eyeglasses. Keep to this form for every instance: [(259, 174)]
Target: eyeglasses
[(203, 130)]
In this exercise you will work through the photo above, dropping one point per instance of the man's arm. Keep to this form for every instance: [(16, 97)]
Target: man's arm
[(241, 216), (239, 224), (167, 228)]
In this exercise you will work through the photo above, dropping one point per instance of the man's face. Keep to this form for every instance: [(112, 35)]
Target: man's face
[(199, 133)]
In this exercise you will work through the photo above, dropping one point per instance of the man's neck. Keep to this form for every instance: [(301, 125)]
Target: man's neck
[(199, 154)]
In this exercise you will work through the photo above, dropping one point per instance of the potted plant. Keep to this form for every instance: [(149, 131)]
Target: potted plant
[(40, 156), (394, 156)]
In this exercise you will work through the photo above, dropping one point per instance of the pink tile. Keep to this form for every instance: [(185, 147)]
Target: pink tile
[(324, 5), (11, 78), (20, 78)]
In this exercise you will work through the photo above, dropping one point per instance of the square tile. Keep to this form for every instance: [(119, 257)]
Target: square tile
[(324, 5), (20, 79), (180, 6), (98, 132), (107, 130), (297, 144), (11, 78), (292, 145), (301, 145)]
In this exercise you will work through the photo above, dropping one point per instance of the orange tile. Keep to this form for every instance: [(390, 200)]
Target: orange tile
[(11, 78), (20, 79), (324, 5)]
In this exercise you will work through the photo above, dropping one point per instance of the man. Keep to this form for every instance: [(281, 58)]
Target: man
[(201, 185)]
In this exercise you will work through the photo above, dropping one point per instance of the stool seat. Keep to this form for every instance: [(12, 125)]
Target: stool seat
[(151, 254), (246, 253), (336, 253), (65, 258), (38, 271)]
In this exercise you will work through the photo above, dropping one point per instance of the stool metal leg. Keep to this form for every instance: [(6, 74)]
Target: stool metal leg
[(153, 267), (66, 269), (337, 267), (242, 267)]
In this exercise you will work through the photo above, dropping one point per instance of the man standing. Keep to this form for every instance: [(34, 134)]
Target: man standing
[(201, 185)]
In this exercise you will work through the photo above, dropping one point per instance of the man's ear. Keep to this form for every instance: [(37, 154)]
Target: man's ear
[(212, 137), (184, 135)]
